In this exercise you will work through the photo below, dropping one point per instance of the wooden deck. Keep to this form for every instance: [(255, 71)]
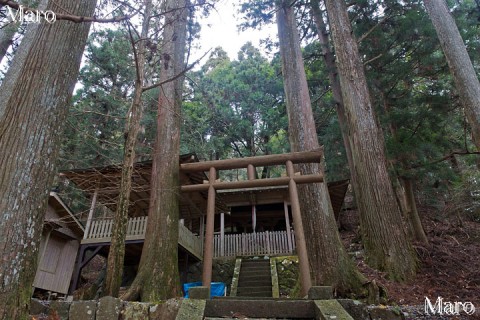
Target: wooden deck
[(100, 231), (231, 245)]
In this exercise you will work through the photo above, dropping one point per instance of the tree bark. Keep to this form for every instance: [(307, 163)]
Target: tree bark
[(7, 32), (461, 66), (405, 198), (413, 217), (329, 60), (34, 101), (6, 38), (329, 263), (386, 243), (116, 255), (158, 275)]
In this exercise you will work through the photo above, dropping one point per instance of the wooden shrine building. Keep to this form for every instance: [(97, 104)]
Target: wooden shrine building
[(241, 216)]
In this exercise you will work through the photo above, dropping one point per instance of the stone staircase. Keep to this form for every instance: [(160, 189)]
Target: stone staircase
[(255, 278), (217, 309), (319, 305)]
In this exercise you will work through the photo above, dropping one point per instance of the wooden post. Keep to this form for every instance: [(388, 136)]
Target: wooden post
[(77, 270), (208, 247), (201, 232), (222, 234), (305, 279), (251, 172), (287, 225), (251, 176), (90, 213)]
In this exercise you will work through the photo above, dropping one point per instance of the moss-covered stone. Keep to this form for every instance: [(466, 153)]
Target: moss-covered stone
[(330, 309), (191, 310), (165, 311), (135, 311), (83, 310), (38, 307), (60, 309), (288, 273), (108, 308)]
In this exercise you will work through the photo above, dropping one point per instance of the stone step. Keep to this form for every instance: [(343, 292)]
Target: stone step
[(254, 276), (241, 316), (261, 295), (254, 272), (255, 260), (256, 266), (259, 309), (267, 292), (254, 282), (250, 263), (263, 291)]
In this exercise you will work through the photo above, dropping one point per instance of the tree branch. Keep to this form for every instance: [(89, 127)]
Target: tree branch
[(365, 35), (67, 17), (448, 156), (190, 67)]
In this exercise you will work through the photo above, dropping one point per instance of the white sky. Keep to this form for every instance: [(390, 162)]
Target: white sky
[(220, 29)]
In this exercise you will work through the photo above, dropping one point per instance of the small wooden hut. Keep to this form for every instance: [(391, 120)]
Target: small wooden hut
[(61, 236)]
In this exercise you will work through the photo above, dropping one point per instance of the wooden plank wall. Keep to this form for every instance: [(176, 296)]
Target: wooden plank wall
[(55, 269)]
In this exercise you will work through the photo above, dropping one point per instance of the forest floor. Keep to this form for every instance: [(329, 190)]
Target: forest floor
[(449, 267)]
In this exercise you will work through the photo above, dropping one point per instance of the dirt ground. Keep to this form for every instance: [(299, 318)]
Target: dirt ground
[(449, 267)]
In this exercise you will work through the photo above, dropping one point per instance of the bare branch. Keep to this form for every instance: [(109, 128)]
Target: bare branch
[(190, 67), (83, 112), (365, 35), (448, 156), (67, 17), (373, 59)]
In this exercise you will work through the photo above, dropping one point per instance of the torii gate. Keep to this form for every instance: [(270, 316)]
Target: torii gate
[(291, 180)]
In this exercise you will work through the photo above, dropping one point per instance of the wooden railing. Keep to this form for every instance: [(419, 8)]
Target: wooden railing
[(246, 244), (101, 231), (258, 243), (189, 241)]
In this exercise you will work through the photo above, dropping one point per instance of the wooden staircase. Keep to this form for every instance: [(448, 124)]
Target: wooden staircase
[(255, 278)]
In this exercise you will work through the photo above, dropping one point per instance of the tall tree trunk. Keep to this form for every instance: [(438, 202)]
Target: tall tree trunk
[(158, 275), (461, 66), (386, 243), (7, 32), (405, 198), (329, 60), (329, 263), (6, 38), (413, 216), (33, 106), (116, 255)]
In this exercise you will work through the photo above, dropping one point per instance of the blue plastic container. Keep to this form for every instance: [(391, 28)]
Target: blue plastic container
[(217, 289)]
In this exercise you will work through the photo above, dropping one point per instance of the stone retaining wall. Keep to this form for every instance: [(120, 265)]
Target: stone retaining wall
[(106, 308)]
